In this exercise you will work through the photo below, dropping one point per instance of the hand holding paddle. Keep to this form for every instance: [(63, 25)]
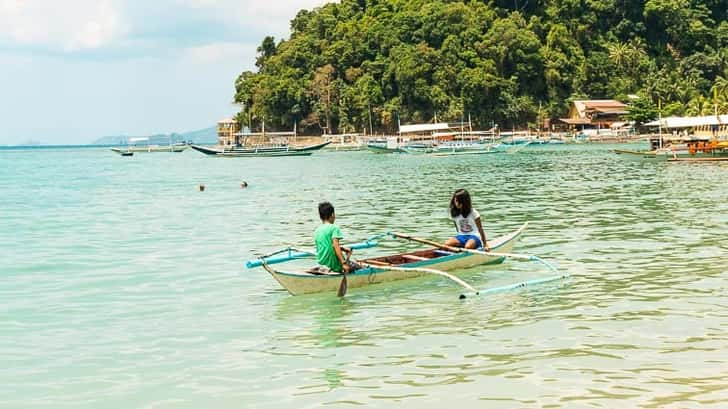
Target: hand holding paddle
[(344, 271)]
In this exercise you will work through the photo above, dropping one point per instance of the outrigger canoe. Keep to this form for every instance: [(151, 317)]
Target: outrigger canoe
[(279, 150), (391, 268)]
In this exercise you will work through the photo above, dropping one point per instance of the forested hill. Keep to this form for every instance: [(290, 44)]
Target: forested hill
[(497, 61)]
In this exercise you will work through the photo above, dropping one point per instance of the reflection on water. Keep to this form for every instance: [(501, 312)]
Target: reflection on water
[(158, 310)]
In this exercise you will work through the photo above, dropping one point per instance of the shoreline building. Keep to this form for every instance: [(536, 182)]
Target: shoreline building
[(695, 131), (596, 117), (694, 127), (228, 132)]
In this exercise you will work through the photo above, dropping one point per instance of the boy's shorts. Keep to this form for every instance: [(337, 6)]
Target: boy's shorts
[(464, 238)]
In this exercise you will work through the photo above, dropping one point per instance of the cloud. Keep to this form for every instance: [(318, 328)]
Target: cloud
[(101, 29), (70, 25), (10, 6), (110, 67), (126, 27)]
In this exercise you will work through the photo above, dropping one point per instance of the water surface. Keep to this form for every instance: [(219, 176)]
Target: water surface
[(123, 286)]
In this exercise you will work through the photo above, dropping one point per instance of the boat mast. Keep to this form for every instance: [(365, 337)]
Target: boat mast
[(462, 127), (538, 126), (659, 121), (715, 107), (715, 101), (369, 108)]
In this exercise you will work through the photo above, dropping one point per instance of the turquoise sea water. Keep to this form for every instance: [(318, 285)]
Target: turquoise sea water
[(123, 286)]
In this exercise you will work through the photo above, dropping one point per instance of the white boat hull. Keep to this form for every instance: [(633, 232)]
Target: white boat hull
[(298, 283)]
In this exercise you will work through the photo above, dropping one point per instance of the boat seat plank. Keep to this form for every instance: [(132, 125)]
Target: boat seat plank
[(443, 252), (375, 262), (414, 258), (323, 273)]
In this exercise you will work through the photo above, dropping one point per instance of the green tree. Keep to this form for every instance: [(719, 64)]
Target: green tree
[(325, 93), (265, 50), (642, 110)]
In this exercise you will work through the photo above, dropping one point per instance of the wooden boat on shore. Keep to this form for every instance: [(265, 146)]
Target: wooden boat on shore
[(260, 151), (392, 267)]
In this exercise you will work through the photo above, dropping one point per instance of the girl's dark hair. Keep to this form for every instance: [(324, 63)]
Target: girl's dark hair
[(464, 199), (326, 209)]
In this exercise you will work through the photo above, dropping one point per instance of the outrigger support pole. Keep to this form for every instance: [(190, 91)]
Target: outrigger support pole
[(522, 257), (516, 286), (427, 271)]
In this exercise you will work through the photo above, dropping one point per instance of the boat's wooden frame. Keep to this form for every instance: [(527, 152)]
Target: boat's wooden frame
[(377, 271)]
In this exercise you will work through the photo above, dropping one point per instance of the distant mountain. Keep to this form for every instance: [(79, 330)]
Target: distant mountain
[(200, 136), (32, 142)]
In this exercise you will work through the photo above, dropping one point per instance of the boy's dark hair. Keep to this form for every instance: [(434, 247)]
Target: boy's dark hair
[(326, 209), (464, 199)]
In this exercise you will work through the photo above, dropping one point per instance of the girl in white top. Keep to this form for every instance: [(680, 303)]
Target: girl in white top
[(467, 223)]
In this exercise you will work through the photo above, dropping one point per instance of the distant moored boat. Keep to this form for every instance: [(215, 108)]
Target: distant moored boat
[(266, 150)]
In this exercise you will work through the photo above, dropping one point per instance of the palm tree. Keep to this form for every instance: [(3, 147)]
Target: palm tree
[(719, 95), (635, 53), (720, 87), (619, 53), (699, 106)]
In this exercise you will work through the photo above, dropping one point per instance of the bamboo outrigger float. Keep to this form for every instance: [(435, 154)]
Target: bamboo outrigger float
[(396, 267)]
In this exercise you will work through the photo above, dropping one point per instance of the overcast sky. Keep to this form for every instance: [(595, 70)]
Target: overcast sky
[(75, 70)]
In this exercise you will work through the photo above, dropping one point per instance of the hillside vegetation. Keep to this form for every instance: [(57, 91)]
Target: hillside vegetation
[(355, 64)]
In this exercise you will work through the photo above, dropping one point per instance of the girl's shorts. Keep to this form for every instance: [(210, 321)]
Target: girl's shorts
[(464, 238)]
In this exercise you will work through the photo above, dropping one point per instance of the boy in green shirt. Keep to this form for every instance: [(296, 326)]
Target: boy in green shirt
[(329, 251)]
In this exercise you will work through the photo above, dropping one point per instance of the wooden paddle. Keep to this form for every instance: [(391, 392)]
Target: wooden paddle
[(344, 285), (464, 250)]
